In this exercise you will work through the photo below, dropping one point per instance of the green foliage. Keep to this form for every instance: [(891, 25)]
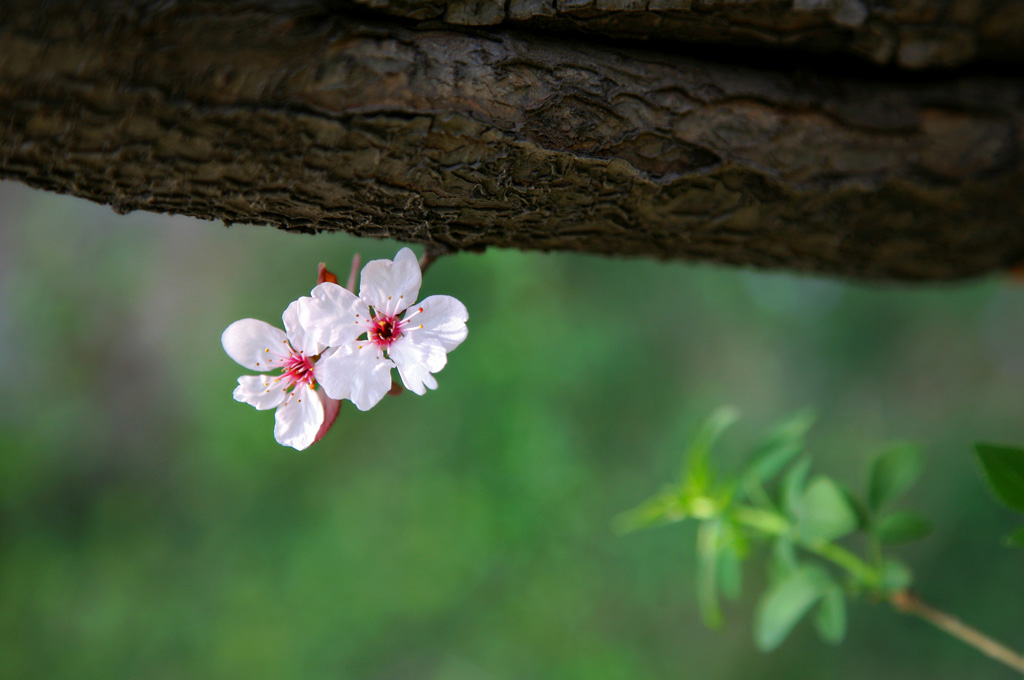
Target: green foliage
[(785, 603), (1004, 469), (896, 576), (697, 473), (665, 508), (708, 549), (783, 561), (801, 520), (892, 474), (730, 572), (902, 527), (784, 443), (830, 620), (859, 507), (825, 514), (791, 488)]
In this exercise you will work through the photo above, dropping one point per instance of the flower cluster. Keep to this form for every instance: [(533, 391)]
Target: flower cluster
[(337, 345)]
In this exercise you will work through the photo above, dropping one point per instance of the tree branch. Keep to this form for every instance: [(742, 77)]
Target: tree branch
[(939, 33), (304, 116)]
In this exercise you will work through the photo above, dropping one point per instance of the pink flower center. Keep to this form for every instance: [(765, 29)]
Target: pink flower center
[(298, 369), (384, 330)]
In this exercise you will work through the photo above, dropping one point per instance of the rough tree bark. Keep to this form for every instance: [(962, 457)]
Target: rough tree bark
[(542, 129)]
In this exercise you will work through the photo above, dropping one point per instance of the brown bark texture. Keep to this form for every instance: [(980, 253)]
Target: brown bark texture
[(911, 33), (323, 115)]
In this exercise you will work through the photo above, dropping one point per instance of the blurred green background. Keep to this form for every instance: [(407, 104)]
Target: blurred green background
[(152, 528)]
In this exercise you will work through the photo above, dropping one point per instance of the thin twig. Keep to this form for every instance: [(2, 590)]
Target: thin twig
[(908, 603), (431, 252)]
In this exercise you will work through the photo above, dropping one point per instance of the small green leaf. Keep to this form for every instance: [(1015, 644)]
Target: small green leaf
[(1004, 469), (858, 506), (708, 543), (785, 603), (697, 474), (892, 473), (791, 488), (830, 620), (782, 445), (1016, 539), (733, 548), (783, 560), (895, 576), (664, 508), (730, 574), (902, 527), (826, 515)]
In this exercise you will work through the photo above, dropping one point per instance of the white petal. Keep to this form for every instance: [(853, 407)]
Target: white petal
[(333, 315), (260, 391), (299, 418), (360, 375), (389, 287), (255, 344), (296, 332), (443, 319), (417, 357)]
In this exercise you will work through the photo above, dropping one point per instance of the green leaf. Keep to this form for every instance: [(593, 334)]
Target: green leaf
[(826, 515), (730, 574), (858, 506), (902, 527), (782, 445), (895, 576), (708, 543), (697, 475), (730, 561), (1016, 539), (791, 489), (830, 620), (783, 560), (1004, 470), (664, 508), (719, 570), (785, 603), (892, 473)]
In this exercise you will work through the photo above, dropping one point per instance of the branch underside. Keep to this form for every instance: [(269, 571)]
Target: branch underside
[(306, 117), (911, 34)]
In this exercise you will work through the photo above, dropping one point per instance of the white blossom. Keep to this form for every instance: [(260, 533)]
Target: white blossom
[(304, 412), (369, 338)]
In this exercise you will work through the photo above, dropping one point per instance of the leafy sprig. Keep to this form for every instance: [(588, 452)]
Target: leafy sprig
[(774, 501), (805, 523)]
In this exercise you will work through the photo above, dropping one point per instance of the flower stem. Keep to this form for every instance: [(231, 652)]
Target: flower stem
[(908, 603), (353, 273), (431, 252)]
